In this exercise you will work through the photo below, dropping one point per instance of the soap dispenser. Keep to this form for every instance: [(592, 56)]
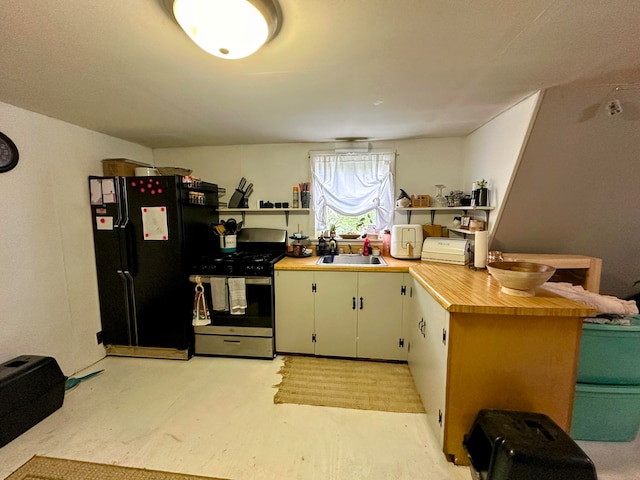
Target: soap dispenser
[(322, 246)]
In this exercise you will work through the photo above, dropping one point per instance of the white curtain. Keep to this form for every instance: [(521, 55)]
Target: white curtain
[(353, 184)]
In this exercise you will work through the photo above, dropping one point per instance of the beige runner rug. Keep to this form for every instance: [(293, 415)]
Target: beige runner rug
[(357, 384), (48, 468)]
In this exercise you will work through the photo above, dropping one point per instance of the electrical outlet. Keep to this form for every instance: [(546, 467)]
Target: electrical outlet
[(99, 337)]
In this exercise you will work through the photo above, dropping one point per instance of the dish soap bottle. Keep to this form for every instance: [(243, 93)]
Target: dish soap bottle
[(366, 247)]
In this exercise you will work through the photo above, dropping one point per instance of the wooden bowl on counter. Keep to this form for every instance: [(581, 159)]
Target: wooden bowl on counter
[(520, 278)]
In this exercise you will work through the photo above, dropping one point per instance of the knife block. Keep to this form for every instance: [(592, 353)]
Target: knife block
[(237, 199)]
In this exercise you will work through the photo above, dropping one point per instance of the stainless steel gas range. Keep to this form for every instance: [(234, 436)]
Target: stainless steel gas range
[(239, 291)]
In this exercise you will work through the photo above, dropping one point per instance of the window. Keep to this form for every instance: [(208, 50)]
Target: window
[(356, 186)]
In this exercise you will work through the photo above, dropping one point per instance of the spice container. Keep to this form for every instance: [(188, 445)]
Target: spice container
[(296, 198)]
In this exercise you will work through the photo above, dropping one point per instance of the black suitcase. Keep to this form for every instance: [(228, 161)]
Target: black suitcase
[(512, 445), (31, 388)]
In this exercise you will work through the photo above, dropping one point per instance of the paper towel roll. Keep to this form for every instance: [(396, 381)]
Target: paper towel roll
[(481, 249)]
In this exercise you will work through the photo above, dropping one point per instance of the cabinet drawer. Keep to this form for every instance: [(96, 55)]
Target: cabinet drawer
[(261, 347)]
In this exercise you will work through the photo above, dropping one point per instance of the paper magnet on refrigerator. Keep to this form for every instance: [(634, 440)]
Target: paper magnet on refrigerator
[(154, 223)]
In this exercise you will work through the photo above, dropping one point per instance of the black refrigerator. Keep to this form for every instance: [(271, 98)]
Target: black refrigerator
[(148, 232)]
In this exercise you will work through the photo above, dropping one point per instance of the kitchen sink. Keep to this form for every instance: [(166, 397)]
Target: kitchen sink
[(351, 259)]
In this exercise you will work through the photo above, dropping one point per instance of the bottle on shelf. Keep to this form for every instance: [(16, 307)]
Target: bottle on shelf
[(296, 198)]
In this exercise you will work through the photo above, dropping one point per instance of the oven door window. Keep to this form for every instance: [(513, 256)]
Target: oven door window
[(259, 312)]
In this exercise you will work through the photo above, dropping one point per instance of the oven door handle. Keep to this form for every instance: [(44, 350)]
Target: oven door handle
[(247, 280)]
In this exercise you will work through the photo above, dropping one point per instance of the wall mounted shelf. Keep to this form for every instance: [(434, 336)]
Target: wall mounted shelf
[(259, 211), (462, 231), (433, 210)]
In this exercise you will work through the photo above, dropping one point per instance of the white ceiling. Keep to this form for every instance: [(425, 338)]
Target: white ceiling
[(381, 69)]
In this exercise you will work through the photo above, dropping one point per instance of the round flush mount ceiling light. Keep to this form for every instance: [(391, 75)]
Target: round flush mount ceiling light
[(228, 29)]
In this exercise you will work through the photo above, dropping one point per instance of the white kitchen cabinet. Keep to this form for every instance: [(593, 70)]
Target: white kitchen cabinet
[(427, 357), (343, 314), (379, 305), (408, 309), (336, 313), (316, 313), (294, 312)]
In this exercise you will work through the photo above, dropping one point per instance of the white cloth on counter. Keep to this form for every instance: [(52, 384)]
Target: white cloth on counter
[(237, 296), (610, 320), (602, 303), (219, 296)]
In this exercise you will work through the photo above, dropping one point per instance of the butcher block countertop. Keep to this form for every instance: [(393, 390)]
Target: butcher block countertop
[(463, 290), (457, 288), (309, 263)]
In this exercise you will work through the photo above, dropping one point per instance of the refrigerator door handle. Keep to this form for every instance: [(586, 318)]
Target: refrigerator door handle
[(127, 243), (127, 248), (125, 204), (125, 283), (132, 304), (119, 189)]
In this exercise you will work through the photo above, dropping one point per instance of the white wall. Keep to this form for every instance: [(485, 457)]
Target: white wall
[(275, 169), (493, 151), (48, 300), (575, 190)]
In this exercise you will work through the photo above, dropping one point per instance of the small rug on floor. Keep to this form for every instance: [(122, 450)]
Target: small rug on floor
[(357, 384), (48, 468)]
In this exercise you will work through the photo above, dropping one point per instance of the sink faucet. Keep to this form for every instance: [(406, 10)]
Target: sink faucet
[(350, 250)]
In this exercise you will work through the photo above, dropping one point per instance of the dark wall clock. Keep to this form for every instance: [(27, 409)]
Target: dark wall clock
[(8, 153)]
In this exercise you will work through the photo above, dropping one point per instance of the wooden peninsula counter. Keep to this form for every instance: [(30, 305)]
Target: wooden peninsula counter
[(469, 346), (474, 347)]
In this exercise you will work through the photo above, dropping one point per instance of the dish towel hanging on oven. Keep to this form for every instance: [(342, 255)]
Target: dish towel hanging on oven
[(219, 297), (237, 296)]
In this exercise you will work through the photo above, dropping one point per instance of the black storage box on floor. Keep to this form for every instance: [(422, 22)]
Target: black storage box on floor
[(31, 388), (510, 445)]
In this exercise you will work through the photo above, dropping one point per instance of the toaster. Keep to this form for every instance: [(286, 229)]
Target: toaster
[(406, 241)]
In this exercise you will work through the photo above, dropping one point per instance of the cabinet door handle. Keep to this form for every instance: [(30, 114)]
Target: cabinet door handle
[(361, 305), (354, 303)]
